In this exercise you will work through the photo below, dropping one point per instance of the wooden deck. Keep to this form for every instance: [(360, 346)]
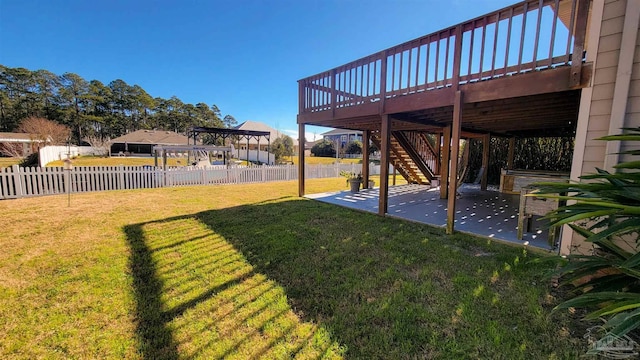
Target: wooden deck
[(515, 72), (513, 62)]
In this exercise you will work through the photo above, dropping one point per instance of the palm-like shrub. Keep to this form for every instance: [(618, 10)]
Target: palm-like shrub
[(605, 209)]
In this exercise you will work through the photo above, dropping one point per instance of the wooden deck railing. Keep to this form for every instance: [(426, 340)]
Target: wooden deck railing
[(531, 35)]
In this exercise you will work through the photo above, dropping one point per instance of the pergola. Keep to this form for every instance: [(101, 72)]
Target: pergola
[(236, 134)]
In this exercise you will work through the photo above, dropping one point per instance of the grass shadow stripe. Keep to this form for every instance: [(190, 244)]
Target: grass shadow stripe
[(155, 339), (180, 309)]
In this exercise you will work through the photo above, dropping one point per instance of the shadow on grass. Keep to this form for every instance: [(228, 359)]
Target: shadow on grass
[(197, 296), (155, 336), (238, 282)]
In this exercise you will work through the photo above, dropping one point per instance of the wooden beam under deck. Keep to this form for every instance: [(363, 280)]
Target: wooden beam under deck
[(366, 135), (385, 144), (455, 152), (444, 168), (301, 144), (486, 143)]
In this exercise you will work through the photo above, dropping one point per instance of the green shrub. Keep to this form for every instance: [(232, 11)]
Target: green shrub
[(605, 209)]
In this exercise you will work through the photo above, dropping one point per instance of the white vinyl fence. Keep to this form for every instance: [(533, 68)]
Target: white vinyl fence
[(52, 153), (18, 182)]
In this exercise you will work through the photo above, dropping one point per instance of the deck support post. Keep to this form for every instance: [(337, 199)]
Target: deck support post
[(301, 159), (455, 152), (510, 153), (579, 41), (486, 143), (438, 151), (365, 158), (444, 167), (385, 145)]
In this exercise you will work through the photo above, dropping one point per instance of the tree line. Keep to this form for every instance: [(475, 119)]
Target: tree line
[(96, 112)]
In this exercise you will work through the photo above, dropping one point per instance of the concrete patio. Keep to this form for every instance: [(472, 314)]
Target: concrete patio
[(486, 213)]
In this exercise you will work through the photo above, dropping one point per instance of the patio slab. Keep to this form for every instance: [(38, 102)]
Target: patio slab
[(487, 213)]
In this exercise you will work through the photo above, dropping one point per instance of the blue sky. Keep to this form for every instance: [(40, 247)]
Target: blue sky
[(244, 56)]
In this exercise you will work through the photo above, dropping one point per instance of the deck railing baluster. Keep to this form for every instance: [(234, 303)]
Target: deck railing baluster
[(495, 44), (426, 70), (469, 70), (375, 75), (553, 31), (446, 58), (437, 59), (344, 86), (369, 78), (362, 81), (506, 56), (573, 16), (409, 71), (482, 42), (524, 28), (393, 72), (417, 67), (535, 43)]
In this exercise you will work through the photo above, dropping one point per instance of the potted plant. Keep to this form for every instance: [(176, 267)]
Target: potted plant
[(353, 180)]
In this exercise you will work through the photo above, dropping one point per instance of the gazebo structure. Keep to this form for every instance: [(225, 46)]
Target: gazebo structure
[(234, 134), (538, 68)]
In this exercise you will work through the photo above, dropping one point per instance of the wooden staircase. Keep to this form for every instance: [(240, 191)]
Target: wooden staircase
[(412, 155)]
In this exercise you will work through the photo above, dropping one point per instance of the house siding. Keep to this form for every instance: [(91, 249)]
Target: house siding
[(632, 115), (601, 98), (604, 83)]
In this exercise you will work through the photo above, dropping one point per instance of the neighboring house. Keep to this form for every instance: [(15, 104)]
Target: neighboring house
[(264, 143), (308, 145), (342, 137), (20, 144), (253, 142), (142, 141)]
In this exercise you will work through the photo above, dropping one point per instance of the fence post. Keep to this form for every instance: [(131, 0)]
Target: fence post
[(17, 180), (264, 169)]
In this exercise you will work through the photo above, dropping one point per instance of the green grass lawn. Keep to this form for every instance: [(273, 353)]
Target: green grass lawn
[(313, 160), (118, 160), (138, 161), (248, 271)]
